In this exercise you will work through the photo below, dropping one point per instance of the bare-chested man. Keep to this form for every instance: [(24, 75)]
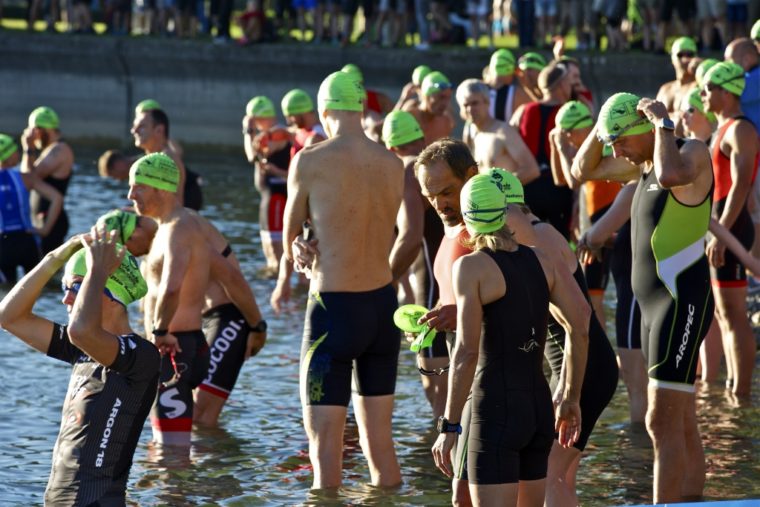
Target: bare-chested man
[(351, 189), (177, 272), (52, 161), (493, 143), (434, 110), (683, 50)]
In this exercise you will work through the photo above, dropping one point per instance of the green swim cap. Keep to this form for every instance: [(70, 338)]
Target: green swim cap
[(44, 118), (341, 92), (755, 32), (406, 317), (694, 99), (123, 222), (531, 60), (400, 128), (147, 105), (354, 71), (619, 117), (728, 76), (574, 115), (702, 69), (483, 205), (126, 284), (683, 44), (296, 102), (419, 73), (156, 170), (509, 184), (502, 62), (435, 82), (260, 107), (7, 147)]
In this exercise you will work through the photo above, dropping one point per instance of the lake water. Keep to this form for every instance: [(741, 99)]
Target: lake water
[(259, 456)]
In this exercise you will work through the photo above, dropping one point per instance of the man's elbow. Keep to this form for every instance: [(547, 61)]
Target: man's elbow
[(577, 174), (78, 332)]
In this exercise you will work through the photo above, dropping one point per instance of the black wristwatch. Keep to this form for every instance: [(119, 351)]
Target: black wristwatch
[(667, 124), (261, 327), (444, 426)]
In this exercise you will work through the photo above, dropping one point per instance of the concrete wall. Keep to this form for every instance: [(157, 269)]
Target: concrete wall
[(94, 82)]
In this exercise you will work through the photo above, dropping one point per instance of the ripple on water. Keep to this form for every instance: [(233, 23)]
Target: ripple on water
[(260, 455)]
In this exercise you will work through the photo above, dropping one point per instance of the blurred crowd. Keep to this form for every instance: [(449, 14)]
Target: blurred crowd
[(624, 24)]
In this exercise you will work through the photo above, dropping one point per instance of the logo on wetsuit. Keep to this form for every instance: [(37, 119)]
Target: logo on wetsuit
[(529, 345), (107, 432), (222, 344), (686, 332)]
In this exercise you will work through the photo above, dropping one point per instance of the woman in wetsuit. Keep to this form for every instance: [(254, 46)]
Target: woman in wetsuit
[(507, 288)]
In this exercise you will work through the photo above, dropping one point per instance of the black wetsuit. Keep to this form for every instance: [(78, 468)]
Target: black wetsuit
[(511, 427), (601, 376), (431, 240), (671, 281), (227, 334), (102, 417), (40, 205), (627, 312), (193, 195)]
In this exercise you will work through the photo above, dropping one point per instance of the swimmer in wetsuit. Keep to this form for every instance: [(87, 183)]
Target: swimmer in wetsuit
[(669, 218), (114, 371), (507, 288), (50, 159)]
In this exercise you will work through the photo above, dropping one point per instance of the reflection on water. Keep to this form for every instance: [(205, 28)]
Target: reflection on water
[(260, 455)]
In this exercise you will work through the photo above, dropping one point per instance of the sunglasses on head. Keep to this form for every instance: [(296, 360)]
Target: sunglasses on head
[(76, 286)]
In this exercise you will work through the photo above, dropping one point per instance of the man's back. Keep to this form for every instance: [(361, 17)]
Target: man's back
[(354, 189)]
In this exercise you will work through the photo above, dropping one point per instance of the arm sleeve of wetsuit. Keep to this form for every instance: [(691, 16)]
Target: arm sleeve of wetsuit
[(137, 358), (60, 347)]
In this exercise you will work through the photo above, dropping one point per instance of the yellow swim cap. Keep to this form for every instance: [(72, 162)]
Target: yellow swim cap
[(683, 45), (435, 82), (147, 105), (156, 170), (419, 74), (44, 118), (619, 117), (502, 63), (7, 147), (295, 102), (126, 284), (702, 69), (400, 128), (509, 184), (340, 92), (728, 76), (123, 222), (483, 205), (531, 60), (260, 107), (574, 115)]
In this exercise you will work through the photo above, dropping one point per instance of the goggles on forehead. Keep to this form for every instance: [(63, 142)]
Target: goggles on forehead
[(611, 138), (77, 286)]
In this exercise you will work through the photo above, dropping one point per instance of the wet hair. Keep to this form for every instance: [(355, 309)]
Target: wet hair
[(107, 161), (455, 153), (472, 87), (498, 240), (159, 117), (551, 75)]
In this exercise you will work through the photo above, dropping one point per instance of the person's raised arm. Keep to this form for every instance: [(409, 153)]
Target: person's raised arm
[(86, 319), (591, 164), (410, 223), (464, 358), (16, 315), (50, 193)]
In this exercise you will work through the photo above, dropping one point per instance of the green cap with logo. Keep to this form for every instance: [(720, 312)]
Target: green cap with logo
[(619, 117), (702, 69), (123, 222), (683, 44), (156, 170), (694, 99), (531, 60), (147, 105), (419, 73), (341, 92), (44, 118), (435, 82), (509, 184), (260, 107), (354, 71), (502, 62), (295, 102), (483, 205), (728, 76), (574, 115), (126, 284), (400, 128), (7, 147), (755, 32)]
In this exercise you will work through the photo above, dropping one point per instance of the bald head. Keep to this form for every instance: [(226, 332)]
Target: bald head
[(742, 52)]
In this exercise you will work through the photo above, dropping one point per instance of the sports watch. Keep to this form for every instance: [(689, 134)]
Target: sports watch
[(261, 327), (444, 426), (667, 124)]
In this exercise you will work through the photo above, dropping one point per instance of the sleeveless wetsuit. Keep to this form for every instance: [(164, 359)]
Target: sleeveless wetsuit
[(671, 281), (193, 195), (502, 102), (227, 335), (601, 376), (599, 197), (431, 242), (61, 227), (511, 426), (19, 246), (732, 273), (627, 312), (547, 201), (103, 414), (347, 331)]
